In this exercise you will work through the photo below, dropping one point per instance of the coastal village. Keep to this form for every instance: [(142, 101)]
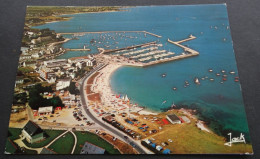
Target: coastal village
[(66, 106)]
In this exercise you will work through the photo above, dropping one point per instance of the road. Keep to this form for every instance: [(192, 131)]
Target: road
[(99, 122)]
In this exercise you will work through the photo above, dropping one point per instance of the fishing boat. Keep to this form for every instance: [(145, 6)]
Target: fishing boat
[(223, 71), (174, 88), (163, 75), (196, 81), (173, 105), (210, 70), (217, 74), (232, 72), (211, 79)]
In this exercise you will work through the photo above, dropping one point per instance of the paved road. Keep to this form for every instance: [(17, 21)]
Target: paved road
[(97, 121)]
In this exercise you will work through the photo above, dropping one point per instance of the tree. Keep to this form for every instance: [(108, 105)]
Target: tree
[(36, 100), (73, 89)]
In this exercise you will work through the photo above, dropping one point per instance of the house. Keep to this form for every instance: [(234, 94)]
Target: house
[(24, 50), (25, 57), (159, 148), (32, 132), (19, 80), (51, 79), (173, 119), (36, 55), (91, 62), (31, 64), (90, 148), (45, 110), (81, 64), (63, 83)]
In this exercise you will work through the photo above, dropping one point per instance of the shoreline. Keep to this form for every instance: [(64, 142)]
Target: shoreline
[(69, 18), (101, 85)]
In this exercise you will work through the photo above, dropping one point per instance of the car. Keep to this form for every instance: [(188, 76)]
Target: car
[(51, 116), (152, 139), (114, 138), (40, 119), (132, 144), (125, 137), (169, 140)]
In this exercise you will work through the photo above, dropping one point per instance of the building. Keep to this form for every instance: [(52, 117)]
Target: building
[(25, 57), (45, 110), (89, 148), (24, 50), (32, 132), (29, 64), (81, 64), (63, 83), (91, 62), (19, 80), (173, 119), (185, 119)]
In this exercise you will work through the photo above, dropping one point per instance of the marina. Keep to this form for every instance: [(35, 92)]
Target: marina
[(101, 32)]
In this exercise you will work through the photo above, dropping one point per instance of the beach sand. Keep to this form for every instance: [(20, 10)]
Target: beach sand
[(101, 85)]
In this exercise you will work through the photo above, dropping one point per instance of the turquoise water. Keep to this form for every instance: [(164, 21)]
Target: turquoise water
[(220, 104)]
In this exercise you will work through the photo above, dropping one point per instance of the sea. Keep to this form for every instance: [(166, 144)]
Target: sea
[(219, 104)]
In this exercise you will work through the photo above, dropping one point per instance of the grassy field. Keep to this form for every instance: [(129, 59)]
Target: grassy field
[(187, 138), (63, 145), (15, 132), (52, 135), (94, 139)]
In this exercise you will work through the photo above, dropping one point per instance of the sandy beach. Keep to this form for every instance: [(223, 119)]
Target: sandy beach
[(101, 85)]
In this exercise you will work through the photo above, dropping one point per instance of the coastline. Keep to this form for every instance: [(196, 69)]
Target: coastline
[(69, 18), (101, 85)]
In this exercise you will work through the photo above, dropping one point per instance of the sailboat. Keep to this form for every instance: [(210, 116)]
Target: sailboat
[(196, 81), (173, 105), (164, 102)]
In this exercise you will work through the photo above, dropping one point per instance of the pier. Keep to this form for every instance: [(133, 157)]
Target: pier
[(100, 32), (77, 49), (158, 36), (188, 52), (184, 40), (129, 47)]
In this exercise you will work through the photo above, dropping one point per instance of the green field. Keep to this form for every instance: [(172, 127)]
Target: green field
[(52, 134), (64, 144), (94, 139), (15, 132)]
